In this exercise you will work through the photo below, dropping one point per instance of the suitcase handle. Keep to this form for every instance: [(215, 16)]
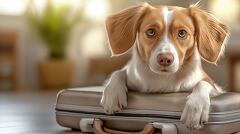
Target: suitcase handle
[(98, 128)]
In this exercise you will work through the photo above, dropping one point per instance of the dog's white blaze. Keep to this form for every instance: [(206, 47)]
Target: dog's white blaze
[(165, 45)]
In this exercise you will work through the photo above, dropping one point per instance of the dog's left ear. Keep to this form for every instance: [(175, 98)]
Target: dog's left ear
[(210, 34)]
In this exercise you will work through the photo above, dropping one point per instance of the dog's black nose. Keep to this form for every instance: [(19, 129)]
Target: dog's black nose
[(165, 59)]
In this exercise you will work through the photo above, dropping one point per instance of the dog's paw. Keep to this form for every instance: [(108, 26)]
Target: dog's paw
[(114, 99), (195, 112)]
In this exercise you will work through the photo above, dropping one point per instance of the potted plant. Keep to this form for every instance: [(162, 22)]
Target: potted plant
[(54, 25)]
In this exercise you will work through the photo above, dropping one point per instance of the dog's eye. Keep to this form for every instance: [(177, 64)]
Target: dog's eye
[(182, 34), (150, 32)]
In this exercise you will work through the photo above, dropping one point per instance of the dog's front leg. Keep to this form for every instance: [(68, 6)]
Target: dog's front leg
[(196, 110), (114, 97)]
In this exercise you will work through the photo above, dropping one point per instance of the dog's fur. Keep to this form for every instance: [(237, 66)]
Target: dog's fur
[(205, 38)]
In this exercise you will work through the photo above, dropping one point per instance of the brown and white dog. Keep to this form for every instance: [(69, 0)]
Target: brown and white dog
[(168, 44)]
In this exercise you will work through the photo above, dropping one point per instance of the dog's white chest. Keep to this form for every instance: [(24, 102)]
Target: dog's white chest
[(140, 78)]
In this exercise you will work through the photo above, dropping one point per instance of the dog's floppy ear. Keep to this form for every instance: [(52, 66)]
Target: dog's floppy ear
[(122, 28), (211, 34)]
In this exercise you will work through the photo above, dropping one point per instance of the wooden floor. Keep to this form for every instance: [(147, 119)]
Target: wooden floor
[(29, 113)]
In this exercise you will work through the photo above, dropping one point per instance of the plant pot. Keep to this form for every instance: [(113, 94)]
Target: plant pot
[(55, 73)]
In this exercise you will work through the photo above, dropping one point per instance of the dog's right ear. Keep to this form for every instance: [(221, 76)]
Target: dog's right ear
[(123, 27)]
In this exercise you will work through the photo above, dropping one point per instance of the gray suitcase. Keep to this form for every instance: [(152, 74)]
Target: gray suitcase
[(79, 108)]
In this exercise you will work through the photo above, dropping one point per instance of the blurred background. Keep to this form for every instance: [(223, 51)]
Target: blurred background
[(48, 45), (62, 43)]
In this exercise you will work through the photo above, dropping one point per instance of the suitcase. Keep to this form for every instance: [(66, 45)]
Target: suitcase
[(79, 108)]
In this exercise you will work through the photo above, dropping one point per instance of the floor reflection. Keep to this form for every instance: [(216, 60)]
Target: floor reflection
[(29, 113)]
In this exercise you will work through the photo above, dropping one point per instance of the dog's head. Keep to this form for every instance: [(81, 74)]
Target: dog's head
[(166, 36)]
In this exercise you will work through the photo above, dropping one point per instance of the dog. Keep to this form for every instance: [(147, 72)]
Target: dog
[(167, 45)]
